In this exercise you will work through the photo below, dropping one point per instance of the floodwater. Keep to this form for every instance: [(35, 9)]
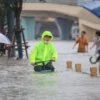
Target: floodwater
[(18, 81)]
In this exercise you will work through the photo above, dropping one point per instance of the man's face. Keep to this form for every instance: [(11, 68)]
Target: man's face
[(47, 39), (97, 36), (82, 34)]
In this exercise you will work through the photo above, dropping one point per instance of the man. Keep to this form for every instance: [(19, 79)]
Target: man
[(97, 44), (83, 43), (2, 49), (44, 52)]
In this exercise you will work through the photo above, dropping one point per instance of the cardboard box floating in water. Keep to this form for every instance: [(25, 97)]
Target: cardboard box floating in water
[(69, 64), (78, 67), (93, 71)]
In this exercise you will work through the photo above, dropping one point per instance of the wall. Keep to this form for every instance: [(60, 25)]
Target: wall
[(90, 31), (64, 26), (68, 2), (29, 24)]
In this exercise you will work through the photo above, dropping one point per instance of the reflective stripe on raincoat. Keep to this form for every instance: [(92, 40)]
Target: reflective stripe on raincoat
[(42, 51)]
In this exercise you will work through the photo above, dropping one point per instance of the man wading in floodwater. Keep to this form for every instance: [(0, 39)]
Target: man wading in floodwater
[(83, 43), (44, 51)]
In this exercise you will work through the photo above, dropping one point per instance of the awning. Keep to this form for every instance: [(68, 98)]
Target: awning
[(93, 6)]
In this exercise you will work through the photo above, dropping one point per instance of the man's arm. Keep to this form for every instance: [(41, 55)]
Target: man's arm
[(86, 48), (76, 43), (55, 54), (33, 55), (92, 46), (86, 43)]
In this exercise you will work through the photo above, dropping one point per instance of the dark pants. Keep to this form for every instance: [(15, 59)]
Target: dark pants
[(48, 66), (2, 49), (98, 58), (98, 52)]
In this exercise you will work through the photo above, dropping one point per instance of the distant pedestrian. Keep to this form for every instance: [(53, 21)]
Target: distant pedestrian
[(97, 53), (2, 49), (82, 43), (96, 42)]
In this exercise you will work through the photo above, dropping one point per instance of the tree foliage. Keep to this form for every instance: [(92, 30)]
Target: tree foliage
[(8, 5), (2, 15)]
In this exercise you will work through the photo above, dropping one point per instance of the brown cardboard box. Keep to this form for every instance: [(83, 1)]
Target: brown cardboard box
[(93, 69), (69, 64), (78, 67), (94, 74)]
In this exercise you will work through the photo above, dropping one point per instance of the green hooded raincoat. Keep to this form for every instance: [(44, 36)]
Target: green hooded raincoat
[(42, 51)]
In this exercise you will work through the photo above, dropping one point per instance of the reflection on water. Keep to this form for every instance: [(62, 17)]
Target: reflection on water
[(45, 79), (46, 83)]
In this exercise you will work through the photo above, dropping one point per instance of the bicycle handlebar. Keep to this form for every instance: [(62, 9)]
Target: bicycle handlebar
[(43, 62)]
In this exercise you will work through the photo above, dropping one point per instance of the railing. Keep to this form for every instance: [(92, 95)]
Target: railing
[(68, 2)]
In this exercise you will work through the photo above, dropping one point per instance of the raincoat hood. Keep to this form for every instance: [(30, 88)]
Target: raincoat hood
[(48, 33)]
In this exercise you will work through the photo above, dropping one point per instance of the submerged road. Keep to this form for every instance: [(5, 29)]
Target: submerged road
[(18, 81)]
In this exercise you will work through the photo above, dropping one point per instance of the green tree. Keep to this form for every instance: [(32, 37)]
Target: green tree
[(2, 15)]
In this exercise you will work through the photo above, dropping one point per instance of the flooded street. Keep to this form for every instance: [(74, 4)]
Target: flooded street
[(18, 81)]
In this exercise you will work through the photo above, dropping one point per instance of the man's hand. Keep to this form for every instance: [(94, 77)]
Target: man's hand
[(86, 51), (74, 45), (33, 63), (53, 59)]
